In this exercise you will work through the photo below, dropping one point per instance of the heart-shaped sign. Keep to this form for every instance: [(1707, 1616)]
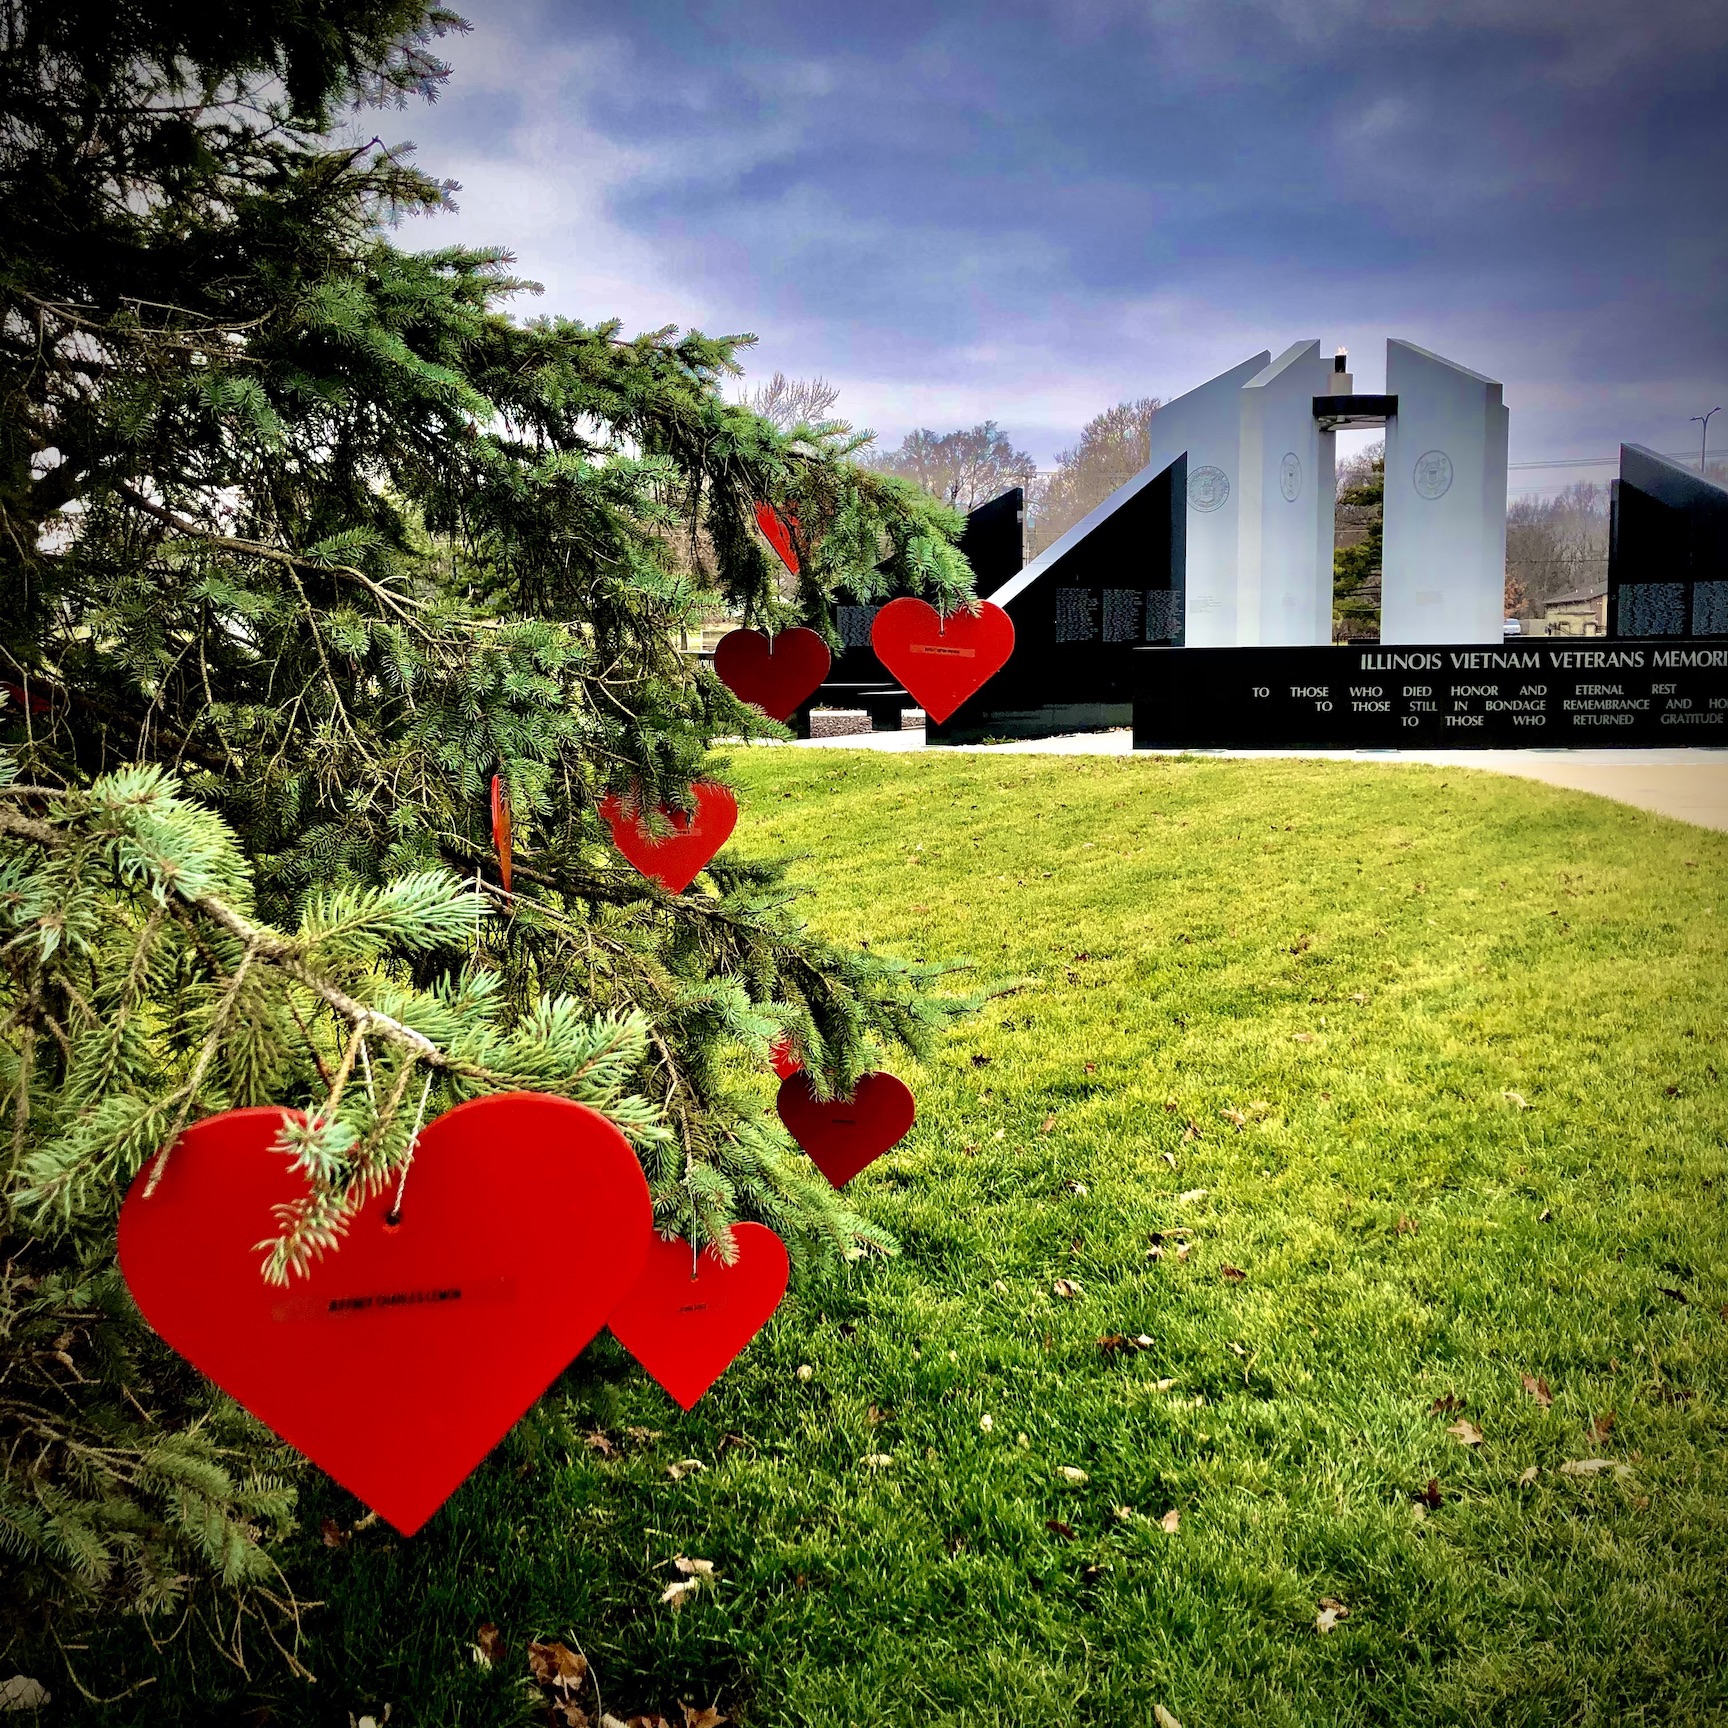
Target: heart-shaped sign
[(689, 1317), (410, 1350), (842, 1135), (774, 672), (778, 534), (942, 661), (782, 1058), (674, 859)]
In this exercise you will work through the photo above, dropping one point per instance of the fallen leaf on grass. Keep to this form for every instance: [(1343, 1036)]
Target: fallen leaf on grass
[(22, 1693), (1236, 1118), (1528, 1475), (1182, 1249), (1078, 1188), (694, 1568), (1191, 1196), (1331, 1612), (1125, 1513), (1446, 1404), (643, 1436), (1517, 1098), (597, 1442), (1069, 1473), (708, 1718), (1057, 1528), (1593, 1467), (1066, 1288), (1191, 1132), (1301, 1037), (1231, 1274), (1466, 1433), (1047, 1125), (1538, 1389), (1170, 1521), (1162, 1385), (1600, 1428), (1678, 1295), (684, 1467), (1406, 1226), (1359, 997), (334, 1536), (488, 1644), (1431, 1493), (556, 1667), (877, 1460), (1169, 1158), (1163, 1717), (1171, 1106), (679, 1591)]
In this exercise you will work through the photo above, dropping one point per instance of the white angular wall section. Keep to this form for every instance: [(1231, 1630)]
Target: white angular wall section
[(1207, 425), (1284, 523), (1445, 551)]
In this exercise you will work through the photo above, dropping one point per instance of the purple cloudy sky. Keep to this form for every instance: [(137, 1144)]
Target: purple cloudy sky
[(1030, 211)]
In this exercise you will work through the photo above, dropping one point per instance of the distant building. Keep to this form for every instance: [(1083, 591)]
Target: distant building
[(1583, 612)]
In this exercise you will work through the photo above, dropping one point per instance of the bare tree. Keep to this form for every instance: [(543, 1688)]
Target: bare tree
[(1557, 545), (789, 402), (1113, 448), (964, 469)]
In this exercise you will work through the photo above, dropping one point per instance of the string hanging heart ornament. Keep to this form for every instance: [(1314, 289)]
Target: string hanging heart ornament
[(844, 1135), (410, 1349), (942, 661), (777, 531), (501, 829), (690, 1316), (674, 859), (774, 673)]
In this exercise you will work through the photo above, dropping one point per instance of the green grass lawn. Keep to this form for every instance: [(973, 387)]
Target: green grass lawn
[(1410, 1077)]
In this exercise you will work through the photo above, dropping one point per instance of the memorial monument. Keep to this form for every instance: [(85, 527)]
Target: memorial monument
[(1667, 549)]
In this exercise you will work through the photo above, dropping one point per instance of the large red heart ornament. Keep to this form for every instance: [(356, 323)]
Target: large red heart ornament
[(774, 672), (778, 534), (942, 661), (674, 859), (842, 1135), (410, 1350), (689, 1317)]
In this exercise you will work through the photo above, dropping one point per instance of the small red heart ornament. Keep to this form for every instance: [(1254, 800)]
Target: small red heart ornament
[(501, 829), (843, 1135), (778, 534), (687, 1323), (942, 661), (674, 859), (776, 673), (408, 1352), (782, 1058)]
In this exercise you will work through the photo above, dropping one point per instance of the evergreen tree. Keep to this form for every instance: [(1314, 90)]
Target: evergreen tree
[(1360, 513), (303, 539), (1114, 446)]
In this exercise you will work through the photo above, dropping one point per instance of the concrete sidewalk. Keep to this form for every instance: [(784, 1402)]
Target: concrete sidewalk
[(1691, 785)]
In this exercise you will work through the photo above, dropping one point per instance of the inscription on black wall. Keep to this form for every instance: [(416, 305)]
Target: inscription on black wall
[(1623, 693)]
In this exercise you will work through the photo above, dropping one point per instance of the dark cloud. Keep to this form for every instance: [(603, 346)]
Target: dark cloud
[(1033, 210)]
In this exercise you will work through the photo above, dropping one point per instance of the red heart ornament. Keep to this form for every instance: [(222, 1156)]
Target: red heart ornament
[(673, 859), (409, 1351), (842, 1135), (942, 661), (778, 534), (774, 672), (501, 829), (686, 1324), (782, 1058)]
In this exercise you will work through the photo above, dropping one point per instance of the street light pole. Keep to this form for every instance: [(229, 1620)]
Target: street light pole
[(1704, 439)]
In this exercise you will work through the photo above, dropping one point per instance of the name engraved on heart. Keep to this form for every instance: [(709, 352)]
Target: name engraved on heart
[(487, 1293), (937, 648)]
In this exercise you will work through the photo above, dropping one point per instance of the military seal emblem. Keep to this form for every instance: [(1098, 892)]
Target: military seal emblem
[(1433, 474), (1208, 488), (1290, 477)]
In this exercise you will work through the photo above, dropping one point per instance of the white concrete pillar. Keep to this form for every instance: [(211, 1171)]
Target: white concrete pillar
[(1445, 555), (1206, 423), (1284, 526)]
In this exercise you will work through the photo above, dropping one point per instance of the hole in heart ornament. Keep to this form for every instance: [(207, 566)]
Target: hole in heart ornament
[(942, 661), (775, 673), (843, 1135), (410, 1351), (686, 1325), (673, 860)]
